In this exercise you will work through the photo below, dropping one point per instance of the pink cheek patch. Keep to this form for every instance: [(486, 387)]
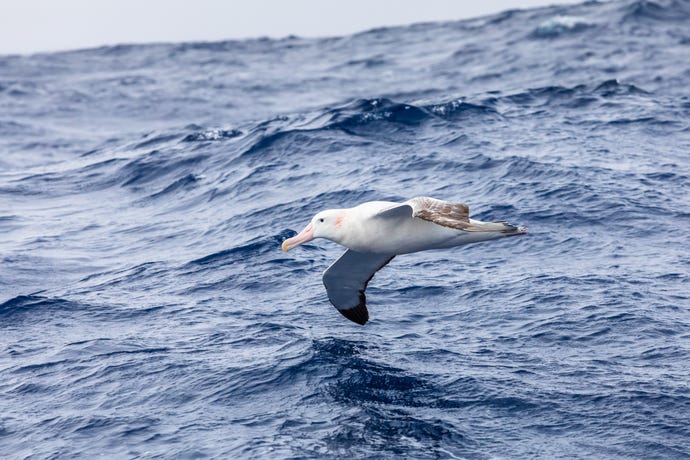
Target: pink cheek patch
[(338, 221)]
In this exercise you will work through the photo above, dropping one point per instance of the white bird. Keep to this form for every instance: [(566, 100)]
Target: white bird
[(376, 231)]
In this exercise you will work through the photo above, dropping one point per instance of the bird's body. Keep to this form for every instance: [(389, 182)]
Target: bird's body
[(368, 231), (376, 231)]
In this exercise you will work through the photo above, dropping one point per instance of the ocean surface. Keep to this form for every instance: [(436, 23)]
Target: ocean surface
[(147, 311)]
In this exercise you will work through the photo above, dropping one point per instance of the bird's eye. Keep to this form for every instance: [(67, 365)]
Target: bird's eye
[(321, 220)]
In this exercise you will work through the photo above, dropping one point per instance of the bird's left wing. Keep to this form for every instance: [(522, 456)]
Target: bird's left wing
[(444, 213), (398, 211), (347, 278)]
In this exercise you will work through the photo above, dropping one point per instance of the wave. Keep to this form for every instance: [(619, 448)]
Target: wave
[(31, 307), (13, 128), (558, 26), (258, 247), (154, 165), (21, 88), (371, 111), (611, 88), (663, 11)]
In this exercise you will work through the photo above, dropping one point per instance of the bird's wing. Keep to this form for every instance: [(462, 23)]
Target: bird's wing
[(347, 278), (396, 211), (453, 215)]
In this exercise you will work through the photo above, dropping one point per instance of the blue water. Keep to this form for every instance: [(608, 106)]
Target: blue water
[(147, 311)]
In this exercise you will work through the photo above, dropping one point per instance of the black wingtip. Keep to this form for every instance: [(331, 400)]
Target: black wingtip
[(358, 314)]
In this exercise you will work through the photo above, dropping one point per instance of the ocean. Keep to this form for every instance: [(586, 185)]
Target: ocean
[(147, 310)]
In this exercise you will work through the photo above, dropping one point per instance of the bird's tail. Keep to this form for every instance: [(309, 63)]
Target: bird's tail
[(496, 227)]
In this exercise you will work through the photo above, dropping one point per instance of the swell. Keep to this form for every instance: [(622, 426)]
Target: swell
[(169, 167), (658, 11), (33, 308)]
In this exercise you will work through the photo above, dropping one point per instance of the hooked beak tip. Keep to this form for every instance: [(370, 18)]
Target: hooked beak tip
[(302, 237)]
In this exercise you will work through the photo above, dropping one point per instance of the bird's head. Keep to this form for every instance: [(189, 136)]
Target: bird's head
[(326, 224)]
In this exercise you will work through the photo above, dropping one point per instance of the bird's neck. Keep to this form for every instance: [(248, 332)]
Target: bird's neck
[(350, 229)]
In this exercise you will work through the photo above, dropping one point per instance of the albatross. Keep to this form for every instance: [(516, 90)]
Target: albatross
[(376, 231)]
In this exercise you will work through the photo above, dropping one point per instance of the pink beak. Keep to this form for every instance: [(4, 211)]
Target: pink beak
[(302, 237)]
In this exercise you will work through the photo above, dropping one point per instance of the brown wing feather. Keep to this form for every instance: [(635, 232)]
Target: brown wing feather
[(452, 215)]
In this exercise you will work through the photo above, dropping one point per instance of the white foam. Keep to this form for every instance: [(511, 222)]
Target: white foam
[(559, 24)]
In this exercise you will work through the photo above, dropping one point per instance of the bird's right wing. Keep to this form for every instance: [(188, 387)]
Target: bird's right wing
[(347, 278)]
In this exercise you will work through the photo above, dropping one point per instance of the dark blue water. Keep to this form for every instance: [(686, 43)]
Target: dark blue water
[(147, 311)]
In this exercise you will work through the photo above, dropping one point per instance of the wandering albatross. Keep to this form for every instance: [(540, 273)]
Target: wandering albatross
[(376, 231)]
